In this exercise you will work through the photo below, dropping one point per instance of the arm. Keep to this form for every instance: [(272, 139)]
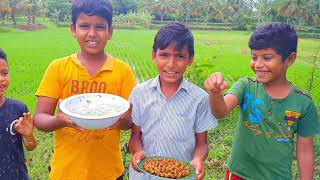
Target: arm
[(305, 157), (220, 105), (200, 154), (135, 146), (45, 120), (25, 127)]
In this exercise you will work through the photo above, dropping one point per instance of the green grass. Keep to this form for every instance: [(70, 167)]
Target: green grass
[(30, 53)]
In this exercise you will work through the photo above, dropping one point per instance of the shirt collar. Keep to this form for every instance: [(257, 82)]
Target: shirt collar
[(108, 65), (156, 84)]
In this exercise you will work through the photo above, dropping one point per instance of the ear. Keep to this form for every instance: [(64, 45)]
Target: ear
[(110, 33), (291, 58), (190, 61), (73, 29), (154, 56)]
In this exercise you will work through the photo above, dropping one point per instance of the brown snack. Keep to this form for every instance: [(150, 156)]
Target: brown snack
[(166, 167)]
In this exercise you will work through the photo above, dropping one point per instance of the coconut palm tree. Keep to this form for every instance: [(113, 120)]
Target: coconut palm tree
[(161, 6)]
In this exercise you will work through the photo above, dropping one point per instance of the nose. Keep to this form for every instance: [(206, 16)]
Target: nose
[(171, 61), (258, 63), (2, 78), (92, 32)]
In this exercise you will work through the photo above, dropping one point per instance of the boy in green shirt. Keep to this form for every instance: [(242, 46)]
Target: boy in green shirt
[(272, 111)]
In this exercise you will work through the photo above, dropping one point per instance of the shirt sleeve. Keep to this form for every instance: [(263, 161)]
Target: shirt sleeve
[(128, 83), (238, 89), (22, 107), (134, 99), (49, 85), (204, 118), (309, 124), (25, 108)]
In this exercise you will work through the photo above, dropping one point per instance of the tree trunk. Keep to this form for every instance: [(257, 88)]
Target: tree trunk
[(33, 19), (13, 15)]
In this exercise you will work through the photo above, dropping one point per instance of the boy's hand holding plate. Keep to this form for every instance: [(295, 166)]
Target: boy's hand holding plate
[(137, 157)]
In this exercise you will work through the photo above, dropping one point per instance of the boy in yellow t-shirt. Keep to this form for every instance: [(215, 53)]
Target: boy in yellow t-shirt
[(85, 154)]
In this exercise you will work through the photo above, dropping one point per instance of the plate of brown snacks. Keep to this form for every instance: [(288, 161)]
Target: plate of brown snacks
[(167, 168)]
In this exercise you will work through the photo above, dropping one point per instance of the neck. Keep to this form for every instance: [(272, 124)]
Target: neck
[(278, 89), (2, 99), (93, 63), (169, 89), (94, 58)]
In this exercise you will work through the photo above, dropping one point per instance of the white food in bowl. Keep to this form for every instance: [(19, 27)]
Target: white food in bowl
[(94, 110)]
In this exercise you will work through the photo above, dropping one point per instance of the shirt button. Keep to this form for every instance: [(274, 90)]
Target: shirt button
[(268, 113)]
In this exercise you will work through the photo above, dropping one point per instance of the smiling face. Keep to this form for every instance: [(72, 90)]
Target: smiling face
[(4, 77), (92, 33), (269, 66), (171, 64)]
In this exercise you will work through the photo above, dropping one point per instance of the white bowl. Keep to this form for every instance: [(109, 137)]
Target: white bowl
[(94, 110)]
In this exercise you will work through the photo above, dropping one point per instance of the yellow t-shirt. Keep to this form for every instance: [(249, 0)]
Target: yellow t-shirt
[(91, 154)]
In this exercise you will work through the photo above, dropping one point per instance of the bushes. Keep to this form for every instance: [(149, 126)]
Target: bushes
[(142, 18), (158, 26)]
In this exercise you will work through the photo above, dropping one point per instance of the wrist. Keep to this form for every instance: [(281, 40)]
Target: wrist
[(60, 119), (199, 158), (27, 137), (28, 140), (216, 92), (139, 151)]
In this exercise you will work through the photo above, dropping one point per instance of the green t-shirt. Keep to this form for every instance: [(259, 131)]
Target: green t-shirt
[(264, 139)]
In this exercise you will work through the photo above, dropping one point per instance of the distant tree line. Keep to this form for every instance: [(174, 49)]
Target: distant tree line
[(241, 12)]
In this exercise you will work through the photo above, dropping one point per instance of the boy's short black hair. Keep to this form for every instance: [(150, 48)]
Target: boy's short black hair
[(3, 55), (281, 37), (101, 8), (174, 33)]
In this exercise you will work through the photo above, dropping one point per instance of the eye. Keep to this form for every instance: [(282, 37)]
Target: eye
[(164, 55), (101, 27), (267, 58), (181, 57), (254, 58), (4, 73), (83, 26)]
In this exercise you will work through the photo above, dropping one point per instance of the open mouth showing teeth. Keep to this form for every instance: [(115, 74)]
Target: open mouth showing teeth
[(92, 43), (260, 73), (170, 72)]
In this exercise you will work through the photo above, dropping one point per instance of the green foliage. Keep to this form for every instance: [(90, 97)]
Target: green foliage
[(198, 73), (309, 35), (245, 22), (124, 6), (142, 18), (59, 10)]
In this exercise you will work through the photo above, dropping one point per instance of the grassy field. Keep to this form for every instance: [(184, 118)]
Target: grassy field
[(29, 54)]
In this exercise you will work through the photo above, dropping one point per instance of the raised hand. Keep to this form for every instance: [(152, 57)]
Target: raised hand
[(25, 126), (215, 83)]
